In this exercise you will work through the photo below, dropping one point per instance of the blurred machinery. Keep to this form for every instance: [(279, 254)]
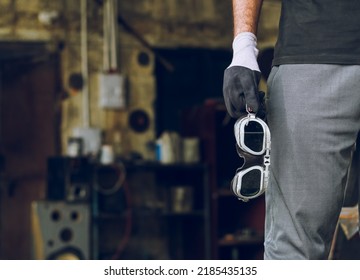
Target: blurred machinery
[(69, 179), (64, 224), (61, 224)]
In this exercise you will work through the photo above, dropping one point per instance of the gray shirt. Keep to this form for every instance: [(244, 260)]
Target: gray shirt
[(319, 31)]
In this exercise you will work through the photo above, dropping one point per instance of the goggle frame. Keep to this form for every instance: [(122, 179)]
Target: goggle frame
[(239, 131)]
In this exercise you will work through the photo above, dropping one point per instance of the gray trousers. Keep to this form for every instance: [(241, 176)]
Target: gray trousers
[(314, 119)]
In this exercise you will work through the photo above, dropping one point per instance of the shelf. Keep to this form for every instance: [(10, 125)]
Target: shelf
[(111, 216), (215, 129), (154, 165), (243, 240), (153, 187), (225, 192), (184, 214)]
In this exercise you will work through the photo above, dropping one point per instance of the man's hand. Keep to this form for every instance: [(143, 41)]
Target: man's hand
[(242, 77)]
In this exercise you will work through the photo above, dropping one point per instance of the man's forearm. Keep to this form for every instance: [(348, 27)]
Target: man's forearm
[(246, 15)]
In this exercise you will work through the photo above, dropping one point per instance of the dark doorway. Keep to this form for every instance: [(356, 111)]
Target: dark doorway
[(197, 76), (29, 114)]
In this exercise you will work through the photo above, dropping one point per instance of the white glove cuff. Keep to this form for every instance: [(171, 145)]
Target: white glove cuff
[(245, 51)]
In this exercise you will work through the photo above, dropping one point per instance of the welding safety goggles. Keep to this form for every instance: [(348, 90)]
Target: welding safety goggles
[(253, 143)]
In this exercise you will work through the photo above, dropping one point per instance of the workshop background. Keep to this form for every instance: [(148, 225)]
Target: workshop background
[(114, 139)]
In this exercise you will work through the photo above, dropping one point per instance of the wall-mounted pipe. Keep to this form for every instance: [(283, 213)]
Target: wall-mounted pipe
[(110, 36), (106, 54), (113, 24), (84, 64)]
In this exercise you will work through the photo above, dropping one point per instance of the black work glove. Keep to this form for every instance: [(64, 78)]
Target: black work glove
[(241, 94)]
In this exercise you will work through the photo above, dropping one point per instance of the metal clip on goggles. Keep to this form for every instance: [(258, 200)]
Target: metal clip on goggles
[(253, 143)]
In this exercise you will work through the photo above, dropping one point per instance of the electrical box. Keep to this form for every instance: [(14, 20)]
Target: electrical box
[(112, 91)]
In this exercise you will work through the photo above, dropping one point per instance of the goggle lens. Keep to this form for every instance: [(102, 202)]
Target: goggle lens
[(251, 183), (254, 136)]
